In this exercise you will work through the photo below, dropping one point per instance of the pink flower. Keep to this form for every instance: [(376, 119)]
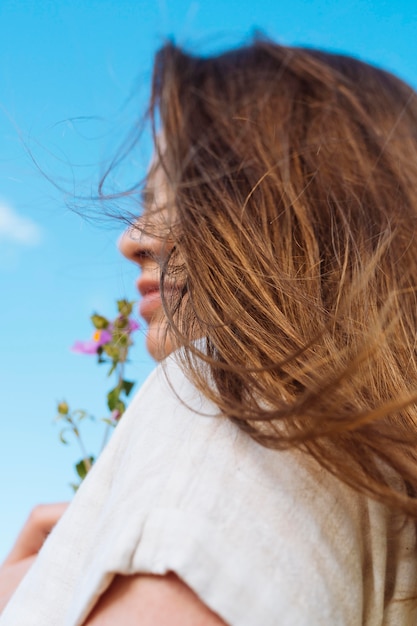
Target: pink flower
[(115, 416), (133, 325), (91, 346)]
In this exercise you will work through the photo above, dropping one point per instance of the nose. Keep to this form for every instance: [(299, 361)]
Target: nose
[(129, 243), (137, 246)]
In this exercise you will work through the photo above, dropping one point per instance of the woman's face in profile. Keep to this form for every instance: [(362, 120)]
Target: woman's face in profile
[(147, 245)]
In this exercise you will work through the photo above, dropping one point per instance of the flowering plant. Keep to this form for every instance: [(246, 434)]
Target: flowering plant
[(110, 342)]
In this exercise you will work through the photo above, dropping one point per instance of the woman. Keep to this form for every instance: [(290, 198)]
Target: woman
[(277, 253)]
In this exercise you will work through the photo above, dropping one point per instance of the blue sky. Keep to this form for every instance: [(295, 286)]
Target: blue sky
[(73, 79)]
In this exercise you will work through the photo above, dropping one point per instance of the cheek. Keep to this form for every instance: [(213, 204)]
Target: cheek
[(158, 342)]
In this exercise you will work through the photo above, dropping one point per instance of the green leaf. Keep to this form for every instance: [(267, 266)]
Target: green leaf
[(127, 386), (113, 398), (83, 467)]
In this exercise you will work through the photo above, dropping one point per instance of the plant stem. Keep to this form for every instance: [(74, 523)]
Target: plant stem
[(86, 458)]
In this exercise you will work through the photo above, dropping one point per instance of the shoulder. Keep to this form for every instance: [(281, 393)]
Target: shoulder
[(169, 387), (150, 600)]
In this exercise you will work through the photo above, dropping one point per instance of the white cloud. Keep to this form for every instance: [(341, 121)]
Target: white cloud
[(16, 228)]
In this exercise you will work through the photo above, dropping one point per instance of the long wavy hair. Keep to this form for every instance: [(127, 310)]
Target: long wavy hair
[(292, 176)]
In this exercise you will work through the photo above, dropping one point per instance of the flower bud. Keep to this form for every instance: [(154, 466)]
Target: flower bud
[(124, 307), (121, 322), (63, 408), (99, 321)]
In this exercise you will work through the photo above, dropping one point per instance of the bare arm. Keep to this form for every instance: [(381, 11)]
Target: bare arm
[(149, 600), (30, 540)]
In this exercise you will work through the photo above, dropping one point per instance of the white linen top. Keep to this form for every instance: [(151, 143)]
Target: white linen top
[(263, 537)]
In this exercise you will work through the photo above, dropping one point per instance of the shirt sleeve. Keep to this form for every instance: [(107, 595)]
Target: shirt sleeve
[(262, 537)]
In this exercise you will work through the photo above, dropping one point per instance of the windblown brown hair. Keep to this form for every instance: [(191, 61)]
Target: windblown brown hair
[(293, 176)]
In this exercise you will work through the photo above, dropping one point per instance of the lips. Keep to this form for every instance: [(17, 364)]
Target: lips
[(151, 297)]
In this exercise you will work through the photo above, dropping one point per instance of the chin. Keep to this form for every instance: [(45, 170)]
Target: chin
[(158, 344)]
